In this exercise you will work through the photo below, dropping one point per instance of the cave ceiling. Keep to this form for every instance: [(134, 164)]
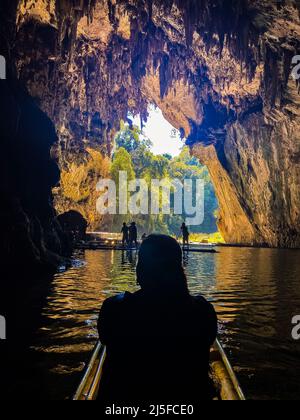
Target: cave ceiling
[(203, 64)]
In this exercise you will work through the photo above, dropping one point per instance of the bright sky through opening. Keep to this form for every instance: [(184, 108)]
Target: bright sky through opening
[(165, 138)]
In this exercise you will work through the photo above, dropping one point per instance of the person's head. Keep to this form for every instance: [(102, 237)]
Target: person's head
[(133, 224), (183, 225), (124, 224), (160, 267)]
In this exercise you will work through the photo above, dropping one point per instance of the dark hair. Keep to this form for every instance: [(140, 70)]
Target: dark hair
[(160, 267)]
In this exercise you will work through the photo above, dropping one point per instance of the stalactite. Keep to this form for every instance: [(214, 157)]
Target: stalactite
[(111, 12), (164, 75), (150, 8)]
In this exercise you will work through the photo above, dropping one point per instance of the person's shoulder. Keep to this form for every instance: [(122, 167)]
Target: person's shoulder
[(115, 301), (202, 303)]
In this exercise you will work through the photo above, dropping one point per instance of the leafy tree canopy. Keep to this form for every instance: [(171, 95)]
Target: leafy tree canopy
[(133, 154)]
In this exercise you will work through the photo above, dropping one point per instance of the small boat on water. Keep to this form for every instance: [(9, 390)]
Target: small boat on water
[(226, 382)]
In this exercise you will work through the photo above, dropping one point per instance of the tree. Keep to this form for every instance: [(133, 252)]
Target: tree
[(132, 139), (157, 168), (184, 167), (167, 156), (122, 162), (133, 154), (139, 147)]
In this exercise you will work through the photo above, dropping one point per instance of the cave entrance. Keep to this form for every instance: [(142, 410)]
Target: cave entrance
[(165, 139), (147, 150), (155, 151)]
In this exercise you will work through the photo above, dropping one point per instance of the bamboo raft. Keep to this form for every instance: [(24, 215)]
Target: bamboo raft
[(117, 247), (226, 382)]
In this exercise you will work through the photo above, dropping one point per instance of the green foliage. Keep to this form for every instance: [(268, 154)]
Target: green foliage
[(135, 144), (214, 238), (167, 156), (157, 169), (133, 154), (122, 162)]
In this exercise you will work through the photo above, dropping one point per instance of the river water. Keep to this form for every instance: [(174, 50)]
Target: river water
[(256, 293)]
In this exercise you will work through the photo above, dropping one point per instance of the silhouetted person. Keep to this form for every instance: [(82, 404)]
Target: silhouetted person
[(125, 232), (133, 234), (185, 234), (144, 236), (158, 339)]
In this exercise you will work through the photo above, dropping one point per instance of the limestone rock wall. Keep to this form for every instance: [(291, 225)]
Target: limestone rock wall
[(233, 220), (31, 240)]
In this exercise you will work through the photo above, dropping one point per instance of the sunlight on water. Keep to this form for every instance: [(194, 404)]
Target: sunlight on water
[(255, 291)]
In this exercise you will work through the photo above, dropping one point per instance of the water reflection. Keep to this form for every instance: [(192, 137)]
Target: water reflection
[(255, 291)]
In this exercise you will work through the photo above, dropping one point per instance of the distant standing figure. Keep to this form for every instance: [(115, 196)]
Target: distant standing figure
[(144, 236), (125, 232), (185, 234), (133, 234)]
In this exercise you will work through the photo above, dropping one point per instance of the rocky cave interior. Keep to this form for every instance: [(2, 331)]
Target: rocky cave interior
[(220, 71)]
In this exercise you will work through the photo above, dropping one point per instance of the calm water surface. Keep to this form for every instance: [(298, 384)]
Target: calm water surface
[(256, 293)]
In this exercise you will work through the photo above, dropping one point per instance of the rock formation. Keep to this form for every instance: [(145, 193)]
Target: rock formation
[(220, 72), (31, 239), (78, 186)]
